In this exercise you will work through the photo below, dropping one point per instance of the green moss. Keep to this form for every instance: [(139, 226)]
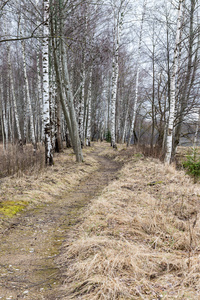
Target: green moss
[(11, 208), (154, 183), (138, 155)]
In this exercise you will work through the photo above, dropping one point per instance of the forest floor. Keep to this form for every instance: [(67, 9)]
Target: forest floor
[(118, 226)]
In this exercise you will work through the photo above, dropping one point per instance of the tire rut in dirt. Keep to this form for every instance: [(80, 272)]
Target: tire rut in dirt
[(32, 242)]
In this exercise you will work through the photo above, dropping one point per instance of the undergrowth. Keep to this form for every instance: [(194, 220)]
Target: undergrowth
[(192, 163), (18, 160)]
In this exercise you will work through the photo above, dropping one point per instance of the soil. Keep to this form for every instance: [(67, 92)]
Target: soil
[(32, 242)]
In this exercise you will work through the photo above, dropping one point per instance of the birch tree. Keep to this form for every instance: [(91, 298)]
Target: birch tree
[(28, 102), (82, 94), (65, 91), (169, 141), (46, 107), (88, 132), (14, 96), (118, 23), (4, 109), (138, 62)]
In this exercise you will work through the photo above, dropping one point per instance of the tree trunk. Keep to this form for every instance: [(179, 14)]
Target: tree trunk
[(88, 134), (40, 98), (81, 102), (137, 75), (115, 75), (69, 113), (188, 82), (32, 131), (124, 130), (14, 97), (4, 116), (75, 136), (46, 96), (173, 87)]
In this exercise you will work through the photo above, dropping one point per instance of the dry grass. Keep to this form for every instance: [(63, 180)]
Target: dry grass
[(42, 186), (17, 160), (140, 239), (110, 152)]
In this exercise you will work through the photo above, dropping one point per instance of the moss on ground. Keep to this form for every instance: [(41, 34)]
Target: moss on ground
[(11, 208)]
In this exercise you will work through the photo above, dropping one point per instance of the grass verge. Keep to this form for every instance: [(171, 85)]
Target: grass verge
[(140, 239), (44, 185)]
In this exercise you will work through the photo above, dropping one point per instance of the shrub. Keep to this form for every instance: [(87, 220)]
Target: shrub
[(192, 164), (108, 136)]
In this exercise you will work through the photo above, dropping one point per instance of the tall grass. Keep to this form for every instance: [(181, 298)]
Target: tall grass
[(17, 160)]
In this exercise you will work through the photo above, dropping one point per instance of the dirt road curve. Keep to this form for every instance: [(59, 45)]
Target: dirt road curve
[(29, 246)]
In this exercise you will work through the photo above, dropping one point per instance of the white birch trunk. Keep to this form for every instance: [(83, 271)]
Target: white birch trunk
[(40, 93), (46, 96), (88, 134), (125, 122), (81, 104), (115, 71), (137, 76), (52, 102), (115, 75), (10, 117), (2, 128), (4, 115), (40, 98), (25, 130), (120, 119), (169, 142), (1, 115), (32, 131), (14, 96)]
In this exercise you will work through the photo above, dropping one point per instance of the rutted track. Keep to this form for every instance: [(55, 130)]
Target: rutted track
[(31, 243)]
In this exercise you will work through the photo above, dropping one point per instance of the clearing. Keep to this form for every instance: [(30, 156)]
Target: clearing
[(119, 226)]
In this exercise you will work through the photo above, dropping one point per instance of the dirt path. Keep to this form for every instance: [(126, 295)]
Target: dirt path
[(33, 240)]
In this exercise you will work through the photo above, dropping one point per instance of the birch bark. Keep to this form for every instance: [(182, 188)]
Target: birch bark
[(83, 79), (14, 96), (169, 141), (81, 103), (88, 134), (40, 98), (32, 131), (137, 75), (4, 115), (124, 129), (46, 96), (1, 115), (118, 22)]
